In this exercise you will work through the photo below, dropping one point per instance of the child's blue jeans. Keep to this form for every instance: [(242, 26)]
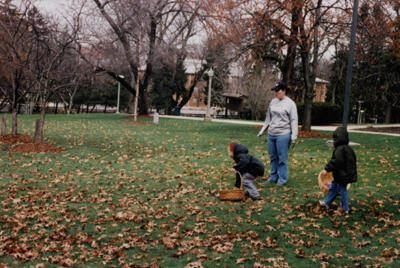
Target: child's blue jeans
[(337, 189)]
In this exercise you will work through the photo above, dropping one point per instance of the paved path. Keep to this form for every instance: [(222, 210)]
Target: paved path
[(321, 128)]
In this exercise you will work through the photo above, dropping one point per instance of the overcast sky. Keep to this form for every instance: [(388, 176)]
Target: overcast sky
[(52, 6)]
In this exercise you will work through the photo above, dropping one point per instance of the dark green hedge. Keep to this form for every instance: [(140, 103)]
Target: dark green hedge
[(395, 116), (322, 113)]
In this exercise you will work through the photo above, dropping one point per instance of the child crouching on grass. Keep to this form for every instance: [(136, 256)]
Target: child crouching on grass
[(344, 168), (249, 166)]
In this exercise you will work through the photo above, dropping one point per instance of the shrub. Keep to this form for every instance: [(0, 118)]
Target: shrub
[(395, 117), (322, 113)]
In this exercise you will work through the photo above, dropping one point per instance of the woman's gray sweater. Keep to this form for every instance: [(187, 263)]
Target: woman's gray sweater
[(281, 118)]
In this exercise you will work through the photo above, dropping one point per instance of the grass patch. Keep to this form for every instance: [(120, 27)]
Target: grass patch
[(147, 194)]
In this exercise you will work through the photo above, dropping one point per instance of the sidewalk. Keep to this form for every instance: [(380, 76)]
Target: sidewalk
[(320, 128), (355, 128)]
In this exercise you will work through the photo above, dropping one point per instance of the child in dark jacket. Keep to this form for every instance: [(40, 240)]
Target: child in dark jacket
[(249, 166), (344, 168)]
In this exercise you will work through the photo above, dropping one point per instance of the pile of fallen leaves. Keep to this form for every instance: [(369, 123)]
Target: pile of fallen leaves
[(306, 134), (21, 143), (35, 148), (312, 134), (14, 139), (395, 130)]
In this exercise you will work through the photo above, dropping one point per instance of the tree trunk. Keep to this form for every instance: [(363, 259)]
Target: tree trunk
[(26, 107), (3, 103), (4, 125), (31, 107), (38, 138), (37, 131), (309, 69), (87, 108), (56, 110), (67, 109), (94, 107), (14, 126), (288, 65), (226, 107), (308, 93), (70, 105), (131, 102), (388, 115), (137, 84), (143, 108), (333, 95), (186, 97)]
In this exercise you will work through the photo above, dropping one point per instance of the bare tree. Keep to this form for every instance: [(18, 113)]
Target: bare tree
[(258, 86), (77, 73), (281, 31), (163, 24), (16, 54), (52, 42)]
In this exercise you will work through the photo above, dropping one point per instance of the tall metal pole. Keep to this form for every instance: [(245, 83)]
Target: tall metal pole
[(350, 65), (208, 98), (119, 90), (210, 74)]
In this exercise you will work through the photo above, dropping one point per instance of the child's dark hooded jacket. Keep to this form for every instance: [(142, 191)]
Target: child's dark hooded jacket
[(343, 162), (246, 163)]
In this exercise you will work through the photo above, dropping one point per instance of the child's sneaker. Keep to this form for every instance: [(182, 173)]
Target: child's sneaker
[(341, 212), (344, 212), (323, 204)]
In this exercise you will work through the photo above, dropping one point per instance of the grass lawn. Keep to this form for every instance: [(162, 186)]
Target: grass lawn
[(143, 195)]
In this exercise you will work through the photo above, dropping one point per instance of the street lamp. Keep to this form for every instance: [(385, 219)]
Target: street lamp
[(210, 74), (119, 92)]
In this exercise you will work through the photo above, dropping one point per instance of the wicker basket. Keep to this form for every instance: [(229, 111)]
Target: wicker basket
[(324, 181), (233, 194)]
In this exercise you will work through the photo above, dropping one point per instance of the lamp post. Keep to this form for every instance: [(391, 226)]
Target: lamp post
[(360, 112), (119, 92), (210, 74)]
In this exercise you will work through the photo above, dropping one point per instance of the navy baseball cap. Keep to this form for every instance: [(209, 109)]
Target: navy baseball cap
[(279, 86)]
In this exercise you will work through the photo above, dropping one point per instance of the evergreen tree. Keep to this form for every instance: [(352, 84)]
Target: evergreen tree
[(168, 86)]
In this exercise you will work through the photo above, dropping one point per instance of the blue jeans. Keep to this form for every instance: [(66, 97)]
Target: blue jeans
[(337, 189), (278, 147)]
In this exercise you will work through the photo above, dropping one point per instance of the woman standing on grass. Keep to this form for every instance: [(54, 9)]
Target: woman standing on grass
[(282, 124)]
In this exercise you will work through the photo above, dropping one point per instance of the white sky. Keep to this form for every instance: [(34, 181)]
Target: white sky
[(52, 6)]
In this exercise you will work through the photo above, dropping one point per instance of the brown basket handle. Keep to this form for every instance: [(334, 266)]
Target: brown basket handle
[(220, 179), (241, 179)]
